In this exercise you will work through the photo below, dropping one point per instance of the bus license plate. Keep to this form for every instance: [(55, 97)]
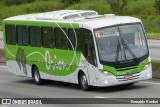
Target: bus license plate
[(128, 76)]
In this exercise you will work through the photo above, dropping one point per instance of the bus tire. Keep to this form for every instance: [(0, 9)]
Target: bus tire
[(83, 82), (36, 76), (130, 84)]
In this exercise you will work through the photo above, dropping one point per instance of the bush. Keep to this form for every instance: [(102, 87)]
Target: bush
[(118, 6)]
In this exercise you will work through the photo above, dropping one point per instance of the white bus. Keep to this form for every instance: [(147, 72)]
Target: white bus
[(76, 46)]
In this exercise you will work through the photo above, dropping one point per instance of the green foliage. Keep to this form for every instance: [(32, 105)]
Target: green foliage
[(157, 5), (118, 6), (143, 9), (33, 7), (153, 35), (16, 2), (152, 25), (1, 27), (101, 7), (69, 2)]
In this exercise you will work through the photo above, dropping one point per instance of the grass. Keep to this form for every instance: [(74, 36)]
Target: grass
[(153, 36)]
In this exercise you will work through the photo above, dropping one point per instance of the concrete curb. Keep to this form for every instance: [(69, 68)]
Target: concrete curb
[(156, 69), (155, 65)]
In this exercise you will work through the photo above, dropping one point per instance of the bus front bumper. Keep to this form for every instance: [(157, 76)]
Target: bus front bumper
[(106, 81)]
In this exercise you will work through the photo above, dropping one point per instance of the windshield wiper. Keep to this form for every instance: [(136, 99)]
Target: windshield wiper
[(129, 49), (126, 46)]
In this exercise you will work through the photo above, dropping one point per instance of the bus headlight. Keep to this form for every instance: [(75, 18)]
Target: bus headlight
[(147, 66), (106, 73)]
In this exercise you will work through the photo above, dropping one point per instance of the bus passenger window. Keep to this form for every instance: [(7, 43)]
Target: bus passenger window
[(71, 35), (22, 33), (61, 39), (48, 37), (11, 34), (35, 36)]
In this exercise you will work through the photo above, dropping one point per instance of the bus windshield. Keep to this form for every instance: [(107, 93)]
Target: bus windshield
[(121, 43)]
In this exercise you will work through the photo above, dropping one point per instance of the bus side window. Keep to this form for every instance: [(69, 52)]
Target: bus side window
[(61, 39), (22, 35), (48, 37), (35, 36), (71, 35), (11, 34)]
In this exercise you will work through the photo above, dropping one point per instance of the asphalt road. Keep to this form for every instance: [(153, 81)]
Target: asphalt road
[(12, 86), (154, 47)]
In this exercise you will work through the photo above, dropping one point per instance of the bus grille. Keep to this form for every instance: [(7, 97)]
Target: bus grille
[(122, 78), (129, 68)]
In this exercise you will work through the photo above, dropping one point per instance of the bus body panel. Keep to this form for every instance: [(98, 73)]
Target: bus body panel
[(113, 80), (65, 65)]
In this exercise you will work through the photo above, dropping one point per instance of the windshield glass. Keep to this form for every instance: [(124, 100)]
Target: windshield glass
[(121, 43)]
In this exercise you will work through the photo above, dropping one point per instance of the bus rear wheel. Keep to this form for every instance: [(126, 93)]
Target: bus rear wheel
[(84, 82), (36, 76)]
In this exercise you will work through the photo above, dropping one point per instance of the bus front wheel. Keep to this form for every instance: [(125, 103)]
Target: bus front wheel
[(37, 77), (83, 82)]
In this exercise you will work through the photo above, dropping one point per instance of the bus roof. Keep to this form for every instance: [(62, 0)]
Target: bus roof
[(86, 17)]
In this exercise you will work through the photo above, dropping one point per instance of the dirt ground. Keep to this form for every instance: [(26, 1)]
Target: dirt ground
[(2, 56), (156, 69)]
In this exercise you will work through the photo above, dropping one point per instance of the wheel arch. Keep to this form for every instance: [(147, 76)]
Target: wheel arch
[(79, 73), (33, 66), (86, 73)]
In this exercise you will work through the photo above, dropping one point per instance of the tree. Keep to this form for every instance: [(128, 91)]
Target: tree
[(157, 5), (118, 6)]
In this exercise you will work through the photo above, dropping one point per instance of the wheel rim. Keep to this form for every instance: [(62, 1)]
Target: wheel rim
[(84, 81), (36, 75)]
